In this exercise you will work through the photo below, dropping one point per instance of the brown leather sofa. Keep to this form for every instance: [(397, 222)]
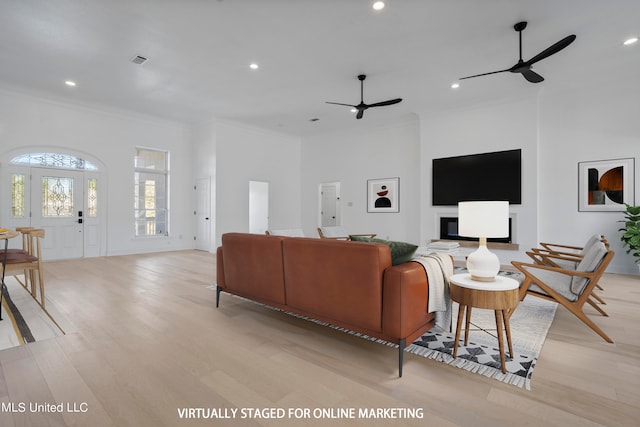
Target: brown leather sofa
[(347, 284)]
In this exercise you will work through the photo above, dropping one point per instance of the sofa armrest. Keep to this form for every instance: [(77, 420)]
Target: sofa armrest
[(406, 293)]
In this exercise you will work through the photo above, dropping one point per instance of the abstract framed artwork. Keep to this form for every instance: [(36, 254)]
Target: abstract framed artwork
[(605, 185), (383, 195)]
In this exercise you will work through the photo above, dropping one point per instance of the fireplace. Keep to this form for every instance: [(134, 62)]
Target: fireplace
[(449, 231)]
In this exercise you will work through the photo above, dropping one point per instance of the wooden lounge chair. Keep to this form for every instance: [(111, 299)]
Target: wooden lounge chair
[(570, 288)]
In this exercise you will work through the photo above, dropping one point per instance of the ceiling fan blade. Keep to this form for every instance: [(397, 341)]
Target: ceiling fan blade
[(484, 74), (532, 76), (554, 48), (338, 103), (383, 103)]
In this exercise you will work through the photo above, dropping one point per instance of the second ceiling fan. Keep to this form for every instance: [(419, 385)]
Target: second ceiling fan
[(362, 106), (524, 67)]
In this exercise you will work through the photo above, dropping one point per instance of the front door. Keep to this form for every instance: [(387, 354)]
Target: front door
[(57, 206)]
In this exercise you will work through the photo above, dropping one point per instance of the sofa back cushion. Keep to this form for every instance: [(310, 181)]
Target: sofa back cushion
[(336, 279), (253, 266)]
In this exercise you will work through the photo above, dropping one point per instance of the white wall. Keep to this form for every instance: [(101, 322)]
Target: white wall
[(496, 127), (354, 156), (246, 154), (595, 123), (28, 121)]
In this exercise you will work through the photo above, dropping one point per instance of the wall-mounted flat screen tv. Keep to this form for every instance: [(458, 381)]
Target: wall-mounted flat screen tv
[(486, 176)]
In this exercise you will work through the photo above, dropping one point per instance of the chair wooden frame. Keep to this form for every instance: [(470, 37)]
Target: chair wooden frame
[(575, 307), (29, 263), (322, 236)]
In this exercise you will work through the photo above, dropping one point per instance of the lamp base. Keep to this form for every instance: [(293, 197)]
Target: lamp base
[(482, 264)]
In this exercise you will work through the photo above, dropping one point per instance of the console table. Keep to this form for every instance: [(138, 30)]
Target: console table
[(502, 296)]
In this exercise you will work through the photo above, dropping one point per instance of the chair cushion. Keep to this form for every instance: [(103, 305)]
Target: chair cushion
[(592, 258), (561, 283), (401, 252), (290, 232), (333, 231), (592, 241)]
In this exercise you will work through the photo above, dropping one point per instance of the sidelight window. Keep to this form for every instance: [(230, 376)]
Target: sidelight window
[(151, 178)]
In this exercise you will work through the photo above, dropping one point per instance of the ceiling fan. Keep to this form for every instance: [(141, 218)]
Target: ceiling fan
[(362, 106), (524, 67)]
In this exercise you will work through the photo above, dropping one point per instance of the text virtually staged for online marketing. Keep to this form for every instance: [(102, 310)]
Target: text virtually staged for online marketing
[(232, 413)]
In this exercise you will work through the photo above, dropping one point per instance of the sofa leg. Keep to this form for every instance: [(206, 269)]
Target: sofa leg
[(218, 290), (401, 345)]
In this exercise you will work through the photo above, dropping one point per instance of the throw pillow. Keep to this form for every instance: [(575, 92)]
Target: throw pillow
[(400, 251)]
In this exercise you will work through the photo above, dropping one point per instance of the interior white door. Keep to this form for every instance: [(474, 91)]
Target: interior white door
[(57, 206), (329, 204), (203, 214)]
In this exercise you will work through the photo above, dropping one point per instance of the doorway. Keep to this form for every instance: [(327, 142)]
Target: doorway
[(59, 193), (258, 207)]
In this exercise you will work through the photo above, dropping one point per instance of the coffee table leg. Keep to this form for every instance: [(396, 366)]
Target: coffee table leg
[(459, 325), (500, 340)]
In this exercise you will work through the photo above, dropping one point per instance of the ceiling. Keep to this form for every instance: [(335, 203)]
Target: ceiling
[(309, 52)]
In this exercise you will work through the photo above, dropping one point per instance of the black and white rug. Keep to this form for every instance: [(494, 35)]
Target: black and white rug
[(530, 323)]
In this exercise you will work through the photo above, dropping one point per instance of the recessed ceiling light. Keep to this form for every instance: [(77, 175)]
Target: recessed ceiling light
[(254, 66), (632, 40), (455, 85), (70, 83), (379, 5)]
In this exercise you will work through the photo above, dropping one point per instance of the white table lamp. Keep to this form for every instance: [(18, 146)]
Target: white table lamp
[(483, 220)]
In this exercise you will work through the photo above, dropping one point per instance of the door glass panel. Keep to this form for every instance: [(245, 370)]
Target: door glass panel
[(17, 195), (57, 197), (92, 197)]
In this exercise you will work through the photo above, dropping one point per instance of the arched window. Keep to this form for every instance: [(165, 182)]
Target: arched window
[(53, 160)]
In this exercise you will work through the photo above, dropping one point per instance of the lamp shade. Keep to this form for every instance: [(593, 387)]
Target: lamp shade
[(483, 219)]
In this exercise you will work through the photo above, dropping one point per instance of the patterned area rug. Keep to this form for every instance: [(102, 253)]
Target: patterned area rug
[(529, 326)]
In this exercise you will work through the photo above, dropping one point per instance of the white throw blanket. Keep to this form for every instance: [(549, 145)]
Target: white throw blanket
[(439, 267)]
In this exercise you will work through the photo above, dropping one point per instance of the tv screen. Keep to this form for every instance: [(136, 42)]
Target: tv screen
[(486, 176)]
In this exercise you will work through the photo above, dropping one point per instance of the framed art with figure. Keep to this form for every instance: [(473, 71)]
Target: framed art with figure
[(605, 185), (383, 195)]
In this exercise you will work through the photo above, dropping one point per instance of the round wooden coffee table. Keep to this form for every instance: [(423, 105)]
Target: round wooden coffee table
[(502, 296)]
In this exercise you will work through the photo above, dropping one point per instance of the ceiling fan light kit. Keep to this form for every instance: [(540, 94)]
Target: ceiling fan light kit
[(524, 67)]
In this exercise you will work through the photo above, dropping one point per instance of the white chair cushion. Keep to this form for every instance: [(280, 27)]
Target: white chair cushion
[(561, 283), (289, 232), (592, 258), (335, 231)]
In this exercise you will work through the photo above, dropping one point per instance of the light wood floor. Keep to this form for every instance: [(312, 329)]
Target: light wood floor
[(148, 340)]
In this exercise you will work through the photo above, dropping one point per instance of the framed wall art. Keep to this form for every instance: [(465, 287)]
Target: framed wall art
[(383, 195), (605, 185)]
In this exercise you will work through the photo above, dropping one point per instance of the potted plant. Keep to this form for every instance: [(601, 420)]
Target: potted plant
[(631, 231)]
